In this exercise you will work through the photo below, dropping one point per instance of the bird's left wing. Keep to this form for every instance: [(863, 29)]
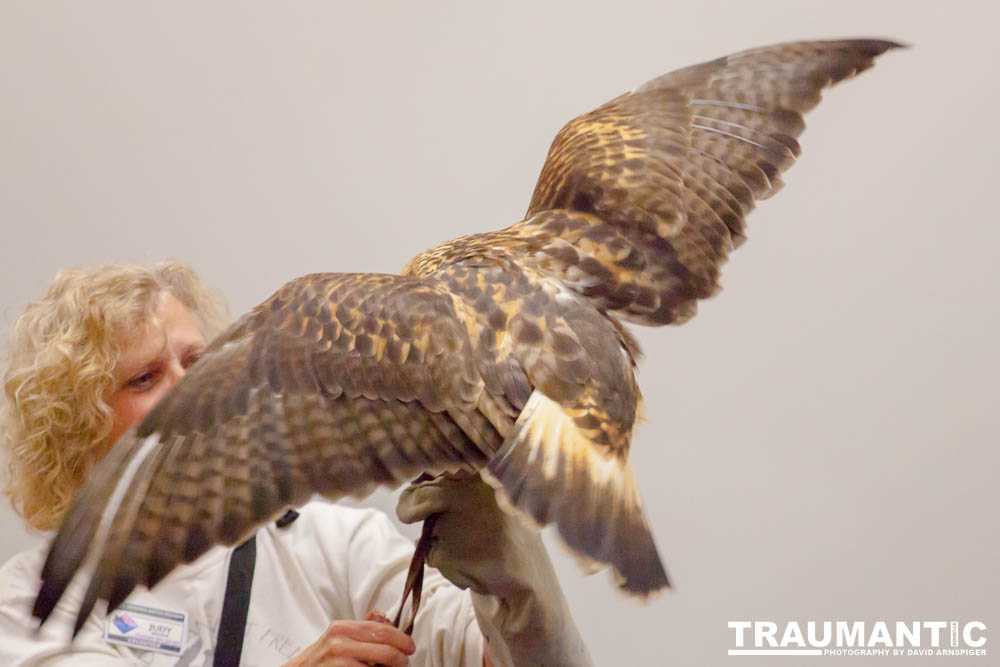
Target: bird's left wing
[(337, 383), (641, 200)]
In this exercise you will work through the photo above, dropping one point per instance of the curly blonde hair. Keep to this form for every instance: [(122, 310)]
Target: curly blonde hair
[(56, 421)]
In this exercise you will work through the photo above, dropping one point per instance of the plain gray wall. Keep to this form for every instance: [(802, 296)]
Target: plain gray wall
[(821, 439)]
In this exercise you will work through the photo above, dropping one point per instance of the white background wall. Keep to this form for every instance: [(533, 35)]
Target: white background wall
[(821, 440)]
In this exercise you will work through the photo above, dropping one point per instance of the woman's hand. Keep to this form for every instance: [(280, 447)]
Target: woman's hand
[(355, 644), (519, 605)]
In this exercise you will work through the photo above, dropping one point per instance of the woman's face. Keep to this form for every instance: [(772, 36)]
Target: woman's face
[(153, 362)]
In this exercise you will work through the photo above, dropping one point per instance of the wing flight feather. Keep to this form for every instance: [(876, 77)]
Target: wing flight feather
[(670, 171), (337, 383)]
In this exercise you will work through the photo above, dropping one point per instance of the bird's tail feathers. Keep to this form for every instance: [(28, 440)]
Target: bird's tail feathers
[(551, 471)]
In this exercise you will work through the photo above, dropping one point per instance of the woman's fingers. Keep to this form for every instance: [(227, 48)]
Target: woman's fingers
[(354, 643), (373, 632), (367, 652)]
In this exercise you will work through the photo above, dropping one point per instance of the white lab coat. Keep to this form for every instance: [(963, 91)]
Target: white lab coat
[(333, 562)]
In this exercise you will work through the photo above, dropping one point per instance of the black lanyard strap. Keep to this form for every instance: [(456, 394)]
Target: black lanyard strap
[(236, 603)]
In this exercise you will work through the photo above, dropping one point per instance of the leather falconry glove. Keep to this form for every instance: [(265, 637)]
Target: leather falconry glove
[(476, 545)]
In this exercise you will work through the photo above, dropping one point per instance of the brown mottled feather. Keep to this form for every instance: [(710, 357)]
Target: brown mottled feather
[(674, 167), (499, 352), (288, 403)]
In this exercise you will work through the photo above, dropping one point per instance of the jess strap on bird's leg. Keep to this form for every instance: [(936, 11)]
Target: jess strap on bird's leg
[(415, 576), (516, 595)]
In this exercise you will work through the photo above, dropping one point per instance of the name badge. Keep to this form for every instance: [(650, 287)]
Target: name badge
[(146, 628)]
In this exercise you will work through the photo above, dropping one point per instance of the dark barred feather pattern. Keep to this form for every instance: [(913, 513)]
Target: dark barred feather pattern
[(659, 181), (498, 352)]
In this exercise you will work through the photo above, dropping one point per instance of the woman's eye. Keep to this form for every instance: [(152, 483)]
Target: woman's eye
[(144, 381)]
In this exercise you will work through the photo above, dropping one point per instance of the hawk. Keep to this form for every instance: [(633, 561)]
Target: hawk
[(502, 353)]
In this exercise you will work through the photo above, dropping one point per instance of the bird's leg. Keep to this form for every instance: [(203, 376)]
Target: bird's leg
[(415, 576)]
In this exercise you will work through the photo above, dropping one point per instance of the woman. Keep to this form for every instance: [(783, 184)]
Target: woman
[(89, 360)]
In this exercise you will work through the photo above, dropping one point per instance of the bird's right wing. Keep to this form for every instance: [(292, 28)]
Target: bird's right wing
[(640, 201), (337, 383)]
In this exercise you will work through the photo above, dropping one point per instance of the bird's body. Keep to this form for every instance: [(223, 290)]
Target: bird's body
[(500, 352)]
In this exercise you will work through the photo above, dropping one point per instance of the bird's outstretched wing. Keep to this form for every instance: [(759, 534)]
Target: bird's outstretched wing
[(336, 383), (641, 200), (636, 209), (340, 382)]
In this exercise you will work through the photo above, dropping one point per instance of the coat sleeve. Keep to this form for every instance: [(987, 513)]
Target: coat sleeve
[(24, 646), (377, 558)]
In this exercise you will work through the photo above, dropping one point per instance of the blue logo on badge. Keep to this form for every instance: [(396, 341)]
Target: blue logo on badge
[(124, 623)]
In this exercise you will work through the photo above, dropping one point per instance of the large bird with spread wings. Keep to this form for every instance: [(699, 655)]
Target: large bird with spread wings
[(501, 352)]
